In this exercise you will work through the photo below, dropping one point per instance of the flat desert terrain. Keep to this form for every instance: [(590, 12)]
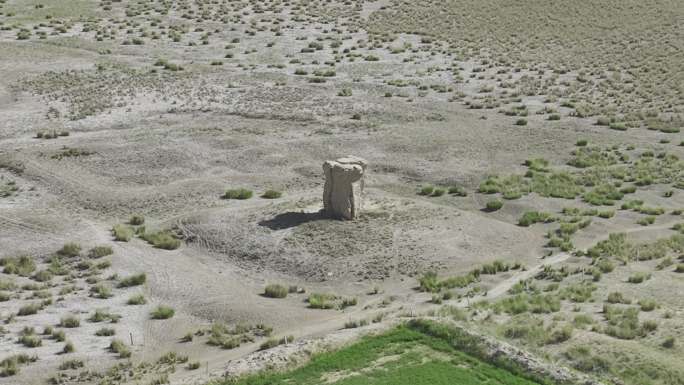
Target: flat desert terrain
[(161, 190)]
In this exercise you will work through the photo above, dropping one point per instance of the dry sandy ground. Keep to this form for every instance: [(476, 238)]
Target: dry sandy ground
[(166, 145)]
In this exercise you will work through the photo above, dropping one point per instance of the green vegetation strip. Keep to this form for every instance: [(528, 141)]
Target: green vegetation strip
[(419, 353)]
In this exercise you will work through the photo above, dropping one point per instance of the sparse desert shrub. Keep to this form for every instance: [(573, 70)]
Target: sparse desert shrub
[(30, 341), (617, 297), (429, 282), (239, 193), (68, 348), (668, 343), (100, 251), (679, 268), (105, 332), (532, 217), (426, 190), (58, 335), (271, 194), (137, 299), (193, 365), (70, 321), (22, 266), (71, 365), (638, 277), (162, 312), (42, 276), (69, 250), (133, 280), (321, 301), (101, 291), (103, 315), (275, 291), (458, 191), (136, 220), (162, 240), (119, 347), (29, 309), (122, 233), (494, 205), (521, 122), (648, 305), (273, 342)]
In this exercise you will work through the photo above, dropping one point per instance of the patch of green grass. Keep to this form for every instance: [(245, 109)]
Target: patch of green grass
[(420, 360)]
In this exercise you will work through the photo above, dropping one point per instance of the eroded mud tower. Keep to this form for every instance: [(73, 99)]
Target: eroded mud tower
[(343, 191)]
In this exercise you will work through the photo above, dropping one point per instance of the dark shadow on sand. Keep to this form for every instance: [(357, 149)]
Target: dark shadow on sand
[(291, 219)]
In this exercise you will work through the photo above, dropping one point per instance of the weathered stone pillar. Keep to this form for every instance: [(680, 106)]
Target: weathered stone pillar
[(343, 191)]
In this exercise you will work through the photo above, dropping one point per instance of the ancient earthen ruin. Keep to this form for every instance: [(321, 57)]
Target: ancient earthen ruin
[(342, 194)]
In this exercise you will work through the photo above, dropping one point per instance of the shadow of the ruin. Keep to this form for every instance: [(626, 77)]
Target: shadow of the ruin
[(292, 219)]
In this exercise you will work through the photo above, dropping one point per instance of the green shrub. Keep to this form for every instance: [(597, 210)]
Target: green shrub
[(679, 268), (273, 342), (429, 282), (426, 190), (617, 297), (494, 205), (58, 335), (271, 194), (458, 191), (22, 266), (71, 365), (69, 250), (42, 276), (122, 233), (162, 240), (162, 312), (275, 291), (133, 280), (119, 347), (532, 217), (100, 251), (29, 309), (137, 299), (638, 277), (101, 291), (239, 193), (321, 301), (31, 341), (136, 220), (648, 305), (68, 348), (521, 122), (105, 332), (193, 365), (103, 315), (70, 321), (668, 343), (438, 192)]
